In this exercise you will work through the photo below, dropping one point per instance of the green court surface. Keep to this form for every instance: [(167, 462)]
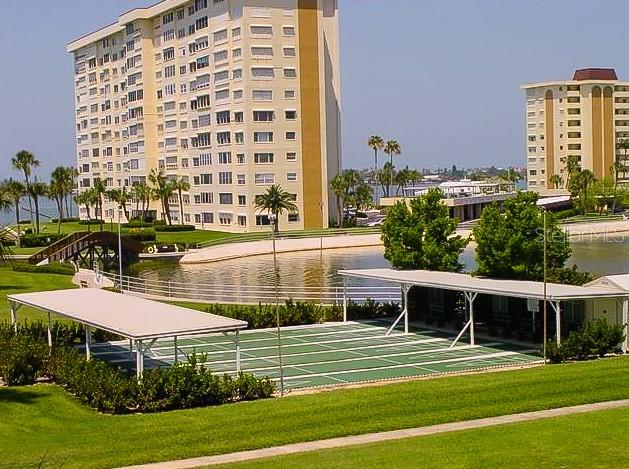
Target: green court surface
[(331, 354)]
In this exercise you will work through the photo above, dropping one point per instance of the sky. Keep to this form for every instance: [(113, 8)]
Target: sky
[(442, 77)]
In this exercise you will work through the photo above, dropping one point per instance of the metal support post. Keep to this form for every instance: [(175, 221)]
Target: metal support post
[(139, 359), (344, 300), (558, 320), (88, 342), (405, 289), (49, 332), (238, 351), (470, 301), (130, 345), (14, 316), (176, 350), (625, 323)]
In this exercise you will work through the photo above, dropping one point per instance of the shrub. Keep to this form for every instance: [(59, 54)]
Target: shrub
[(66, 220), (7, 242), (174, 228), (52, 268), (563, 214), (592, 339), (91, 222), (39, 240), (21, 359), (135, 223), (140, 235), (554, 352)]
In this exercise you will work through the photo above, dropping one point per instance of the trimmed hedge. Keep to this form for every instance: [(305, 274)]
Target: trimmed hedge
[(52, 268), (174, 228), (91, 222), (39, 240), (65, 220), (141, 235)]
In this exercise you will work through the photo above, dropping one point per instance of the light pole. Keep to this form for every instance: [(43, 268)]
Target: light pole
[(119, 249), (545, 291), (272, 218)]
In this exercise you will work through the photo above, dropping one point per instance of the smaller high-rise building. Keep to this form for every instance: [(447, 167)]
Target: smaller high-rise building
[(583, 120)]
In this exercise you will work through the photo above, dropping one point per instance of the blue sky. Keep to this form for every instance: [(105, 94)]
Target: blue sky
[(440, 76)]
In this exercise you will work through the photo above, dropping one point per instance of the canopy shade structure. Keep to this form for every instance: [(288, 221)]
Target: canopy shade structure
[(136, 319), (613, 287)]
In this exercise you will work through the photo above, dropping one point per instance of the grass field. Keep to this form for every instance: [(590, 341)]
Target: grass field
[(45, 420), (331, 354), (575, 441), (24, 282)]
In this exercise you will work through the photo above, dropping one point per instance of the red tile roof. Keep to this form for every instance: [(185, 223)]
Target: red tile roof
[(595, 74)]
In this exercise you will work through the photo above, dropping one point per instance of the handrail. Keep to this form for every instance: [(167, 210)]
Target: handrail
[(249, 294)]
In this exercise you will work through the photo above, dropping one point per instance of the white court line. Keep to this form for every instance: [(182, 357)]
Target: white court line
[(410, 365), (331, 349), (378, 357)]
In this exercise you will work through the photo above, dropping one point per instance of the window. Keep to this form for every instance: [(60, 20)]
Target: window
[(225, 177), (236, 32), (290, 73), (205, 198), (262, 95), (239, 116), (221, 76), (168, 35), (291, 156), (225, 218), (237, 74), (263, 116), (225, 198), (168, 18), (288, 30), (200, 5), (201, 23), (262, 73), (262, 30), (169, 71), (220, 56), (237, 95), (240, 158), (241, 180), (290, 115), (242, 220), (289, 94), (204, 120), (220, 36), (202, 62), (236, 53), (239, 137), (263, 137), (203, 101), (169, 54), (293, 217), (263, 220), (291, 177), (289, 52), (291, 135), (223, 138), (223, 117), (242, 200), (262, 51), (224, 157), (221, 95)]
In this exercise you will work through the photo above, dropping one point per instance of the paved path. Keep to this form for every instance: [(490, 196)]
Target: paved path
[(380, 436)]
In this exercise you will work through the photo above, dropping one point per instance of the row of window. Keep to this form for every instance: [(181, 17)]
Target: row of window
[(227, 178), (226, 219)]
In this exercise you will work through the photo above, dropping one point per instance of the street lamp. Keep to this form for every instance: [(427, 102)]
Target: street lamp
[(272, 218), (545, 281), (120, 247)]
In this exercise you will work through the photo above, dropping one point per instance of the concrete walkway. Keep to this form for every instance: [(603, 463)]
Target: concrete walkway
[(381, 436)]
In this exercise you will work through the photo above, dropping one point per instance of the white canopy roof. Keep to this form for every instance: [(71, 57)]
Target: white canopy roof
[(128, 316), (465, 282)]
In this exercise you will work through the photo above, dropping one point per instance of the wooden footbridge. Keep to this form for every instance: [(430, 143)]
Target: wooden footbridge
[(87, 248)]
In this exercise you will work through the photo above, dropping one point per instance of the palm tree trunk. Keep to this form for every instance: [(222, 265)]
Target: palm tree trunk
[(36, 201), (339, 205), (181, 207), (28, 194), (375, 151), (59, 201), (276, 223)]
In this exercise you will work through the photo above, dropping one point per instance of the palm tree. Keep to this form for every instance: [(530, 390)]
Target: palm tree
[(556, 180), (98, 191), (181, 185), (376, 143), (121, 197), (25, 161), (142, 194), (572, 166), (343, 186), (392, 148), (15, 190), (37, 190), (385, 177), (583, 180), (57, 191), (85, 199), (623, 144), (275, 201), (163, 189), (69, 182)]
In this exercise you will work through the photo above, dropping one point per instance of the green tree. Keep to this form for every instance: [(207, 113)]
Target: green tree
[(376, 143), (122, 197), (85, 199), (275, 201), (181, 185), (142, 194), (573, 165), (363, 196), (57, 191), (37, 191), (343, 186), (556, 181), (15, 190), (510, 243), (26, 162), (392, 148), (97, 193), (422, 235), (384, 177), (580, 184), (163, 189), (511, 175)]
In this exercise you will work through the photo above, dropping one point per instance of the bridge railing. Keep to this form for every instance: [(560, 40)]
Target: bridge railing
[(250, 294)]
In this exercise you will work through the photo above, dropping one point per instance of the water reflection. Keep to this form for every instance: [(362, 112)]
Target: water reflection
[(319, 268)]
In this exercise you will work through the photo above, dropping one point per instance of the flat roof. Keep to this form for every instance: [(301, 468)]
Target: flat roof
[(125, 315), (466, 282)]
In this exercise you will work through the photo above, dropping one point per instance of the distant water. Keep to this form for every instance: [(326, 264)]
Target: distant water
[(47, 209)]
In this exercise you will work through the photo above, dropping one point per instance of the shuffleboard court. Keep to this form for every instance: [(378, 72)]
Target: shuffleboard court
[(331, 354)]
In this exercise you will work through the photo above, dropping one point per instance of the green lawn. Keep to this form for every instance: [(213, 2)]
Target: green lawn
[(45, 420), (575, 441), (24, 282)]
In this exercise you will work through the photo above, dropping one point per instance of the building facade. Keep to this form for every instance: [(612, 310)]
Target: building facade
[(231, 95), (583, 119)]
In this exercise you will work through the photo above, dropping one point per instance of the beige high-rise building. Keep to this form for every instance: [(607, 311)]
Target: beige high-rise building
[(231, 95), (583, 118)]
